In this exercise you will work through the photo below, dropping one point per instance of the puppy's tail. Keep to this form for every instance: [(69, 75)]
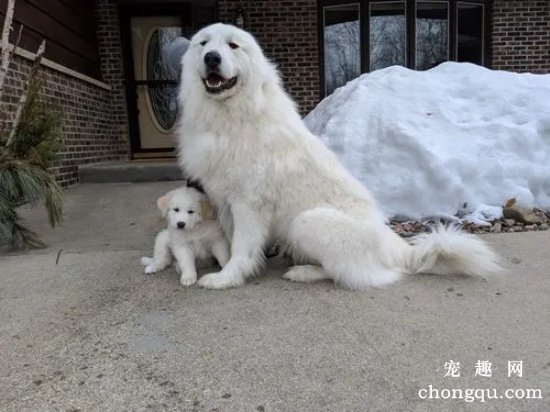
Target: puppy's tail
[(446, 250)]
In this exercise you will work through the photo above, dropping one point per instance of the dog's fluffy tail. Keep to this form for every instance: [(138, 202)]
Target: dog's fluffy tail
[(446, 250)]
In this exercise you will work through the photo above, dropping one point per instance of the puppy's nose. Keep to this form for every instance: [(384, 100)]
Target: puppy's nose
[(212, 59), (181, 225)]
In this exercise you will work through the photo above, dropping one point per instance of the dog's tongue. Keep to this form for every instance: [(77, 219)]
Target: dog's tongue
[(214, 80)]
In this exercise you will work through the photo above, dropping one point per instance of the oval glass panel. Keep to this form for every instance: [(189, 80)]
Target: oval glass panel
[(162, 98)]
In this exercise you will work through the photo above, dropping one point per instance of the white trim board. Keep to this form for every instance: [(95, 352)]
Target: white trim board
[(60, 68)]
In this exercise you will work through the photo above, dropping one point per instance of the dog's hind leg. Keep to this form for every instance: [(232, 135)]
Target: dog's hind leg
[(305, 273), (352, 252)]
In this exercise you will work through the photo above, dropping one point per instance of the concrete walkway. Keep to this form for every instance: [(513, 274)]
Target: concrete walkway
[(81, 328)]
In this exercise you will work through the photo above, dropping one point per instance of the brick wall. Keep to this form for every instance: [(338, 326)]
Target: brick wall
[(521, 35), (287, 31), (112, 65), (94, 119)]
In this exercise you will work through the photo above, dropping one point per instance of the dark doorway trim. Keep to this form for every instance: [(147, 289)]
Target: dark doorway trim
[(126, 12)]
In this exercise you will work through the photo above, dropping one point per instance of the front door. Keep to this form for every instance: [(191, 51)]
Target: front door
[(151, 78)]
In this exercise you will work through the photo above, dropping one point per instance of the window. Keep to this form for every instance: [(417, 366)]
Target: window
[(388, 34), (432, 34), (368, 35), (469, 38), (341, 45)]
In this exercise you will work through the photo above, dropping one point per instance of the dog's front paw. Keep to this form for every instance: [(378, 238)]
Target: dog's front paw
[(188, 280), (219, 281), (146, 261)]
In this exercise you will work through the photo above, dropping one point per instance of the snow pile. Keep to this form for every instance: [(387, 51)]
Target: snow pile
[(458, 138)]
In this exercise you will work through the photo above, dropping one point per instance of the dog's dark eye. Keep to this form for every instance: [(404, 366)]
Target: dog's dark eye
[(190, 212), (203, 42), (233, 45), (176, 209)]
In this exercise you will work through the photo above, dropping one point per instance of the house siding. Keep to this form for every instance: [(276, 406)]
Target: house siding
[(69, 28), (521, 36)]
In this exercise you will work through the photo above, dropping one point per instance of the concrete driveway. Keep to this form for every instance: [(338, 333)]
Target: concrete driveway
[(81, 328)]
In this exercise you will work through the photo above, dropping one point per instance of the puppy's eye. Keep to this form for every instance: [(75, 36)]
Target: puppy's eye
[(203, 42), (190, 212), (176, 209), (233, 45)]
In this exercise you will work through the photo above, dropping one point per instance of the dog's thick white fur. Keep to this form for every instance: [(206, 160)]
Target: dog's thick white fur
[(192, 233), (273, 181)]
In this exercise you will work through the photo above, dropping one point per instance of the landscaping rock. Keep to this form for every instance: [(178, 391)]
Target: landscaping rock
[(504, 225), (520, 214)]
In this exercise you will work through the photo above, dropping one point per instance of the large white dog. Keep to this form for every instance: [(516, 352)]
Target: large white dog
[(273, 181)]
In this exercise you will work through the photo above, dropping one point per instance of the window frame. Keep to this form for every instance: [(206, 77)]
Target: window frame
[(410, 18), (407, 34), (449, 4), (484, 19), (322, 37)]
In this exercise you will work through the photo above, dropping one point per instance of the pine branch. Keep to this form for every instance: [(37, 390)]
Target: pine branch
[(29, 151), (20, 184), (53, 201), (22, 237), (23, 99), (6, 51), (12, 231)]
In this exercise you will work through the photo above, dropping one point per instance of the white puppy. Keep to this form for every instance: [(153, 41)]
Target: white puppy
[(272, 180), (191, 234)]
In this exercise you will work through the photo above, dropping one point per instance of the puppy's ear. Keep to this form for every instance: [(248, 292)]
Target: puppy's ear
[(163, 203), (207, 211)]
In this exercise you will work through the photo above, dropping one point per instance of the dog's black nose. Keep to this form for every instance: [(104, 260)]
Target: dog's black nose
[(212, 59), (181, 225)]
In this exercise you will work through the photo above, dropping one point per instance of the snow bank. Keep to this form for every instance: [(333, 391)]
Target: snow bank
[(455, 139)]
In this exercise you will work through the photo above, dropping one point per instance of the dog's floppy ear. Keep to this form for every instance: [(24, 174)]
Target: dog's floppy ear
[(207, 211), (163, 203)]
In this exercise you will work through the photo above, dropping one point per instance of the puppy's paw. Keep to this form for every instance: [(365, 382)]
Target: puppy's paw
[(188, 280), (219, 281), (146, 261), (150, 269)]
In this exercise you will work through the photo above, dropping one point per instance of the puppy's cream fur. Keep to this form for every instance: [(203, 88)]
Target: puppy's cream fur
[(272, 180), (192, 233)]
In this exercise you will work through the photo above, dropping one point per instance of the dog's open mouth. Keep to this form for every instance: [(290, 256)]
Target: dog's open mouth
[(215, 83)]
